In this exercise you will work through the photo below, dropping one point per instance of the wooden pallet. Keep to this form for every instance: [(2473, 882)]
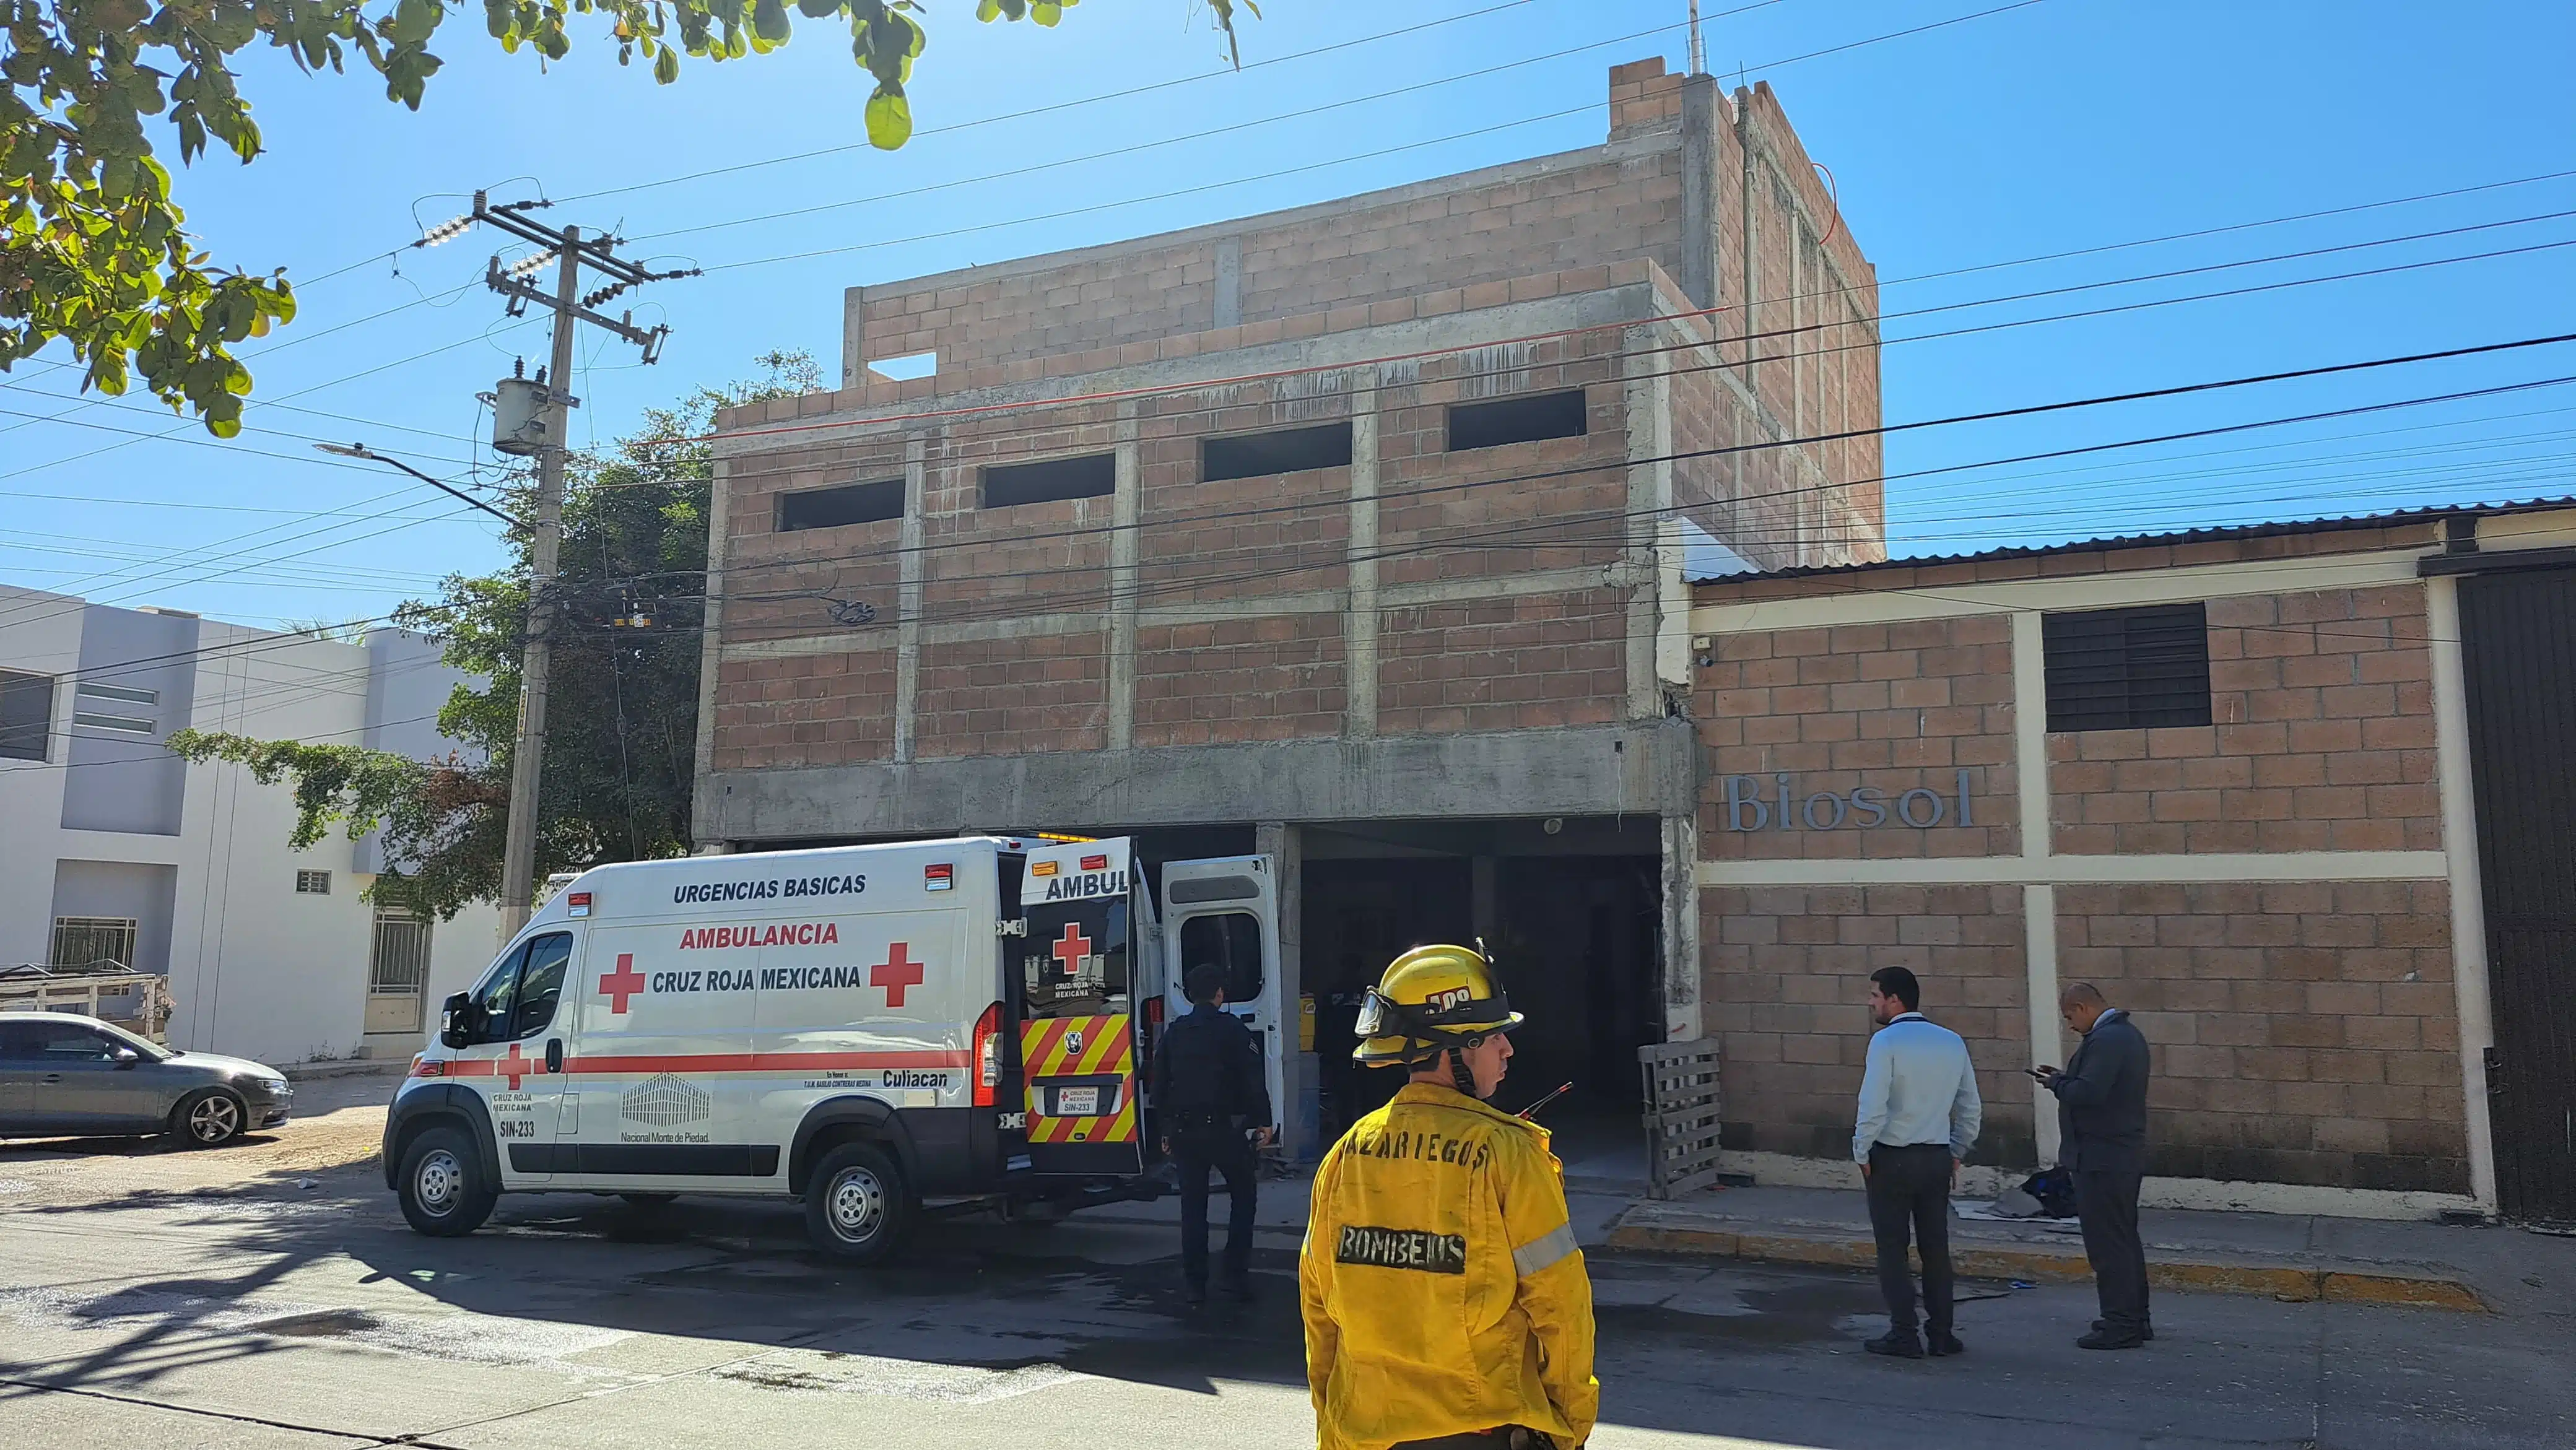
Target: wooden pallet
[(1681, 1115)]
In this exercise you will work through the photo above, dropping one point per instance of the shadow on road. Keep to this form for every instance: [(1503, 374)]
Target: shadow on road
[(971, 1294)]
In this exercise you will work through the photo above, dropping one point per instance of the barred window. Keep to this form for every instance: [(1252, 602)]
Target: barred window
[(312, 883)]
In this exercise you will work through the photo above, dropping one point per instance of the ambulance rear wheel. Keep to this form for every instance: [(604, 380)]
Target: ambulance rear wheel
[(858, 1208), (441, 1186)]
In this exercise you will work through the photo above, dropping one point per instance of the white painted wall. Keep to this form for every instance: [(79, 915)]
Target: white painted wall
[(255, 968)]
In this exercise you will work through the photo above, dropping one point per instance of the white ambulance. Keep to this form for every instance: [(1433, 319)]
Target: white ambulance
[(872, 1030)]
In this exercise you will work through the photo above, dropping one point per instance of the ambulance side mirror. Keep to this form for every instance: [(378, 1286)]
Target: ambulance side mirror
[(456, 1021)]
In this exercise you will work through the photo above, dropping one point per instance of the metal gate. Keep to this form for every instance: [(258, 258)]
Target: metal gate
[(2518, 646), (397, 971)]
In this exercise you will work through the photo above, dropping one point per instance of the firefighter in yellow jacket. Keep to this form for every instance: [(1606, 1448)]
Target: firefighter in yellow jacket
[(1445, 1301)]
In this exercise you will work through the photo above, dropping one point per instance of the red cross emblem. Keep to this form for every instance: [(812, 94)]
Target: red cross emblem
[(894, 974), (516, 1066), (1071, 948), (621, 984)]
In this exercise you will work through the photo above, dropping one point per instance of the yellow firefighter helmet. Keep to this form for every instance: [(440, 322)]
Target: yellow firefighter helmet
[(1430, 1000)]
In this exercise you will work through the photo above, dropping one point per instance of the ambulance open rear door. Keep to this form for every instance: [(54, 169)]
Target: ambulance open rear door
[(1224, 912), (1079, 1058)]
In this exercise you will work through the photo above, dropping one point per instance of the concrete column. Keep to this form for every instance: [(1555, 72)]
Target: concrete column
[(711, 645), (1229, 282), (1359, 620), (1648, 397), (1285, 845), (1484, 900), (2038, 900), (2454, 766), (907, 649), (1122, 584), (1699, 190), (1684, 1019)]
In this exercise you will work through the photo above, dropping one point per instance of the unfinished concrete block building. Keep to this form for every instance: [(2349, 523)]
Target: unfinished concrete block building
[(1357, 532)]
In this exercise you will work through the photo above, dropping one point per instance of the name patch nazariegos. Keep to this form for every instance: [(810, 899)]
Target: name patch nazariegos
[(1402, 1248)]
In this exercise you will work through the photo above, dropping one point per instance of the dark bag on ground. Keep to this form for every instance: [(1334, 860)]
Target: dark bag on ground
[(2055, 1190)]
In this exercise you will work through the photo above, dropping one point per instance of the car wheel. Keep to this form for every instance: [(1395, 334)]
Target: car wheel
[(650, 1200), (441, 1185), (209, 1118), (858, 1208)]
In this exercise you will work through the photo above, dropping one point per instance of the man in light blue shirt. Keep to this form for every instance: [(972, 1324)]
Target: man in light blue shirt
[(1919, 1116)]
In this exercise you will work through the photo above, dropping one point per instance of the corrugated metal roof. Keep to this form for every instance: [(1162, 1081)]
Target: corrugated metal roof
[(2430, 514)]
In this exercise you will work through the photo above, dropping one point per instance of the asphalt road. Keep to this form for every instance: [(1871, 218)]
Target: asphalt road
[(161, 1306)]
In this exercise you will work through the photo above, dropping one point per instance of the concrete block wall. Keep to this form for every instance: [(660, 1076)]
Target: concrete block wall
[(2271, 894), (1884, 708), (2305, 1032), (2322, 740), (1418, 591), (1788, 997)]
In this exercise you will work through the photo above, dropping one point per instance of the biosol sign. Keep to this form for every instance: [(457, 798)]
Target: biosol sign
[(1756, 803)]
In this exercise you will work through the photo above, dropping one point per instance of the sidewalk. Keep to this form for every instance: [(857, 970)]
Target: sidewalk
[(2286, 1256)]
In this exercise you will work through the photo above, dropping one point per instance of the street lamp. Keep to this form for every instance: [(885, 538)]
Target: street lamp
[(362, 451)]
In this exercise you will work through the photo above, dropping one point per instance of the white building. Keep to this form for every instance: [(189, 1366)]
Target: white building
[(110, 846)]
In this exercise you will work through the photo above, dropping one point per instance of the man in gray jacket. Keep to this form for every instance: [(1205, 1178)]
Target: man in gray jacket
[(2102, 1117)]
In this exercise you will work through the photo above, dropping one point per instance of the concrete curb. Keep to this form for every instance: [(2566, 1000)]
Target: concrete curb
[(356, 1067), (2294, 1283)]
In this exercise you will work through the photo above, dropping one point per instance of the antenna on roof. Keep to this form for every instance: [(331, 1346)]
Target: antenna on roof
[(1698, 53)]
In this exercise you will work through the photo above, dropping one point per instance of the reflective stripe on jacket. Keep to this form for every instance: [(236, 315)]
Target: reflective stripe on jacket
[(1441, 1286)]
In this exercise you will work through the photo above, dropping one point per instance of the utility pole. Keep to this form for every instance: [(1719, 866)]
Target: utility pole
[(571, 251)]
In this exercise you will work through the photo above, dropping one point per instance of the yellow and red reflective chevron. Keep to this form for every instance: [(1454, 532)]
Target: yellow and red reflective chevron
[(1081, 1047)]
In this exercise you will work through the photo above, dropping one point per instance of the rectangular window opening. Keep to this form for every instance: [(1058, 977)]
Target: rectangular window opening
[(1008, 485), (832, 508), (1288, 450), (125, 693), (1524, 419), (904, 369), (312, 883), (2127, 669), (26, 715), (121, 724)]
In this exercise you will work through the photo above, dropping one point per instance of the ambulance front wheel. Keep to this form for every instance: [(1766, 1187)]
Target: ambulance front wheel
[(858, 1208), (442, 1189)]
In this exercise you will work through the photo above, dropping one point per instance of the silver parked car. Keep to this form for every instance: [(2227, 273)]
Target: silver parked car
[(68, 1076)]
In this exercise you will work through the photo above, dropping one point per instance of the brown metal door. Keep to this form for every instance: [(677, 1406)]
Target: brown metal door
[(2518, 642)]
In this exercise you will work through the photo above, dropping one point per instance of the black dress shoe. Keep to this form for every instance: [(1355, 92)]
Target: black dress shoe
[(2145, 1331), (1239, 1290), (2109, 1339), (1195, 1293), (1895, 1344), (1944, 1345)]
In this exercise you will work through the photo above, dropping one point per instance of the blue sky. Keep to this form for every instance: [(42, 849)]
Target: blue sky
[(2047, 128)]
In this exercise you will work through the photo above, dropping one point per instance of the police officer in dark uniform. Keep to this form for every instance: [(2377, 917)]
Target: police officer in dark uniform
[(1211, 1092)]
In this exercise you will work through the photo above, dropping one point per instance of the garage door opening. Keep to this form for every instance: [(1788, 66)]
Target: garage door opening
[(1572, 916)]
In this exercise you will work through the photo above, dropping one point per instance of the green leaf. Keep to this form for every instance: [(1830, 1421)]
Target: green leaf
[(769, 22), (889, 118), (1046, 13), (666, 66)]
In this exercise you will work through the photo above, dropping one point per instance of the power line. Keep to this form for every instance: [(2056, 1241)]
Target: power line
[(734, 171), (1876, 431), (1023, 604), (1363, 156)]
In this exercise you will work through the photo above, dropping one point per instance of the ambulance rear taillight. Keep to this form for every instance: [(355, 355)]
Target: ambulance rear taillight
[(988, 1056)]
